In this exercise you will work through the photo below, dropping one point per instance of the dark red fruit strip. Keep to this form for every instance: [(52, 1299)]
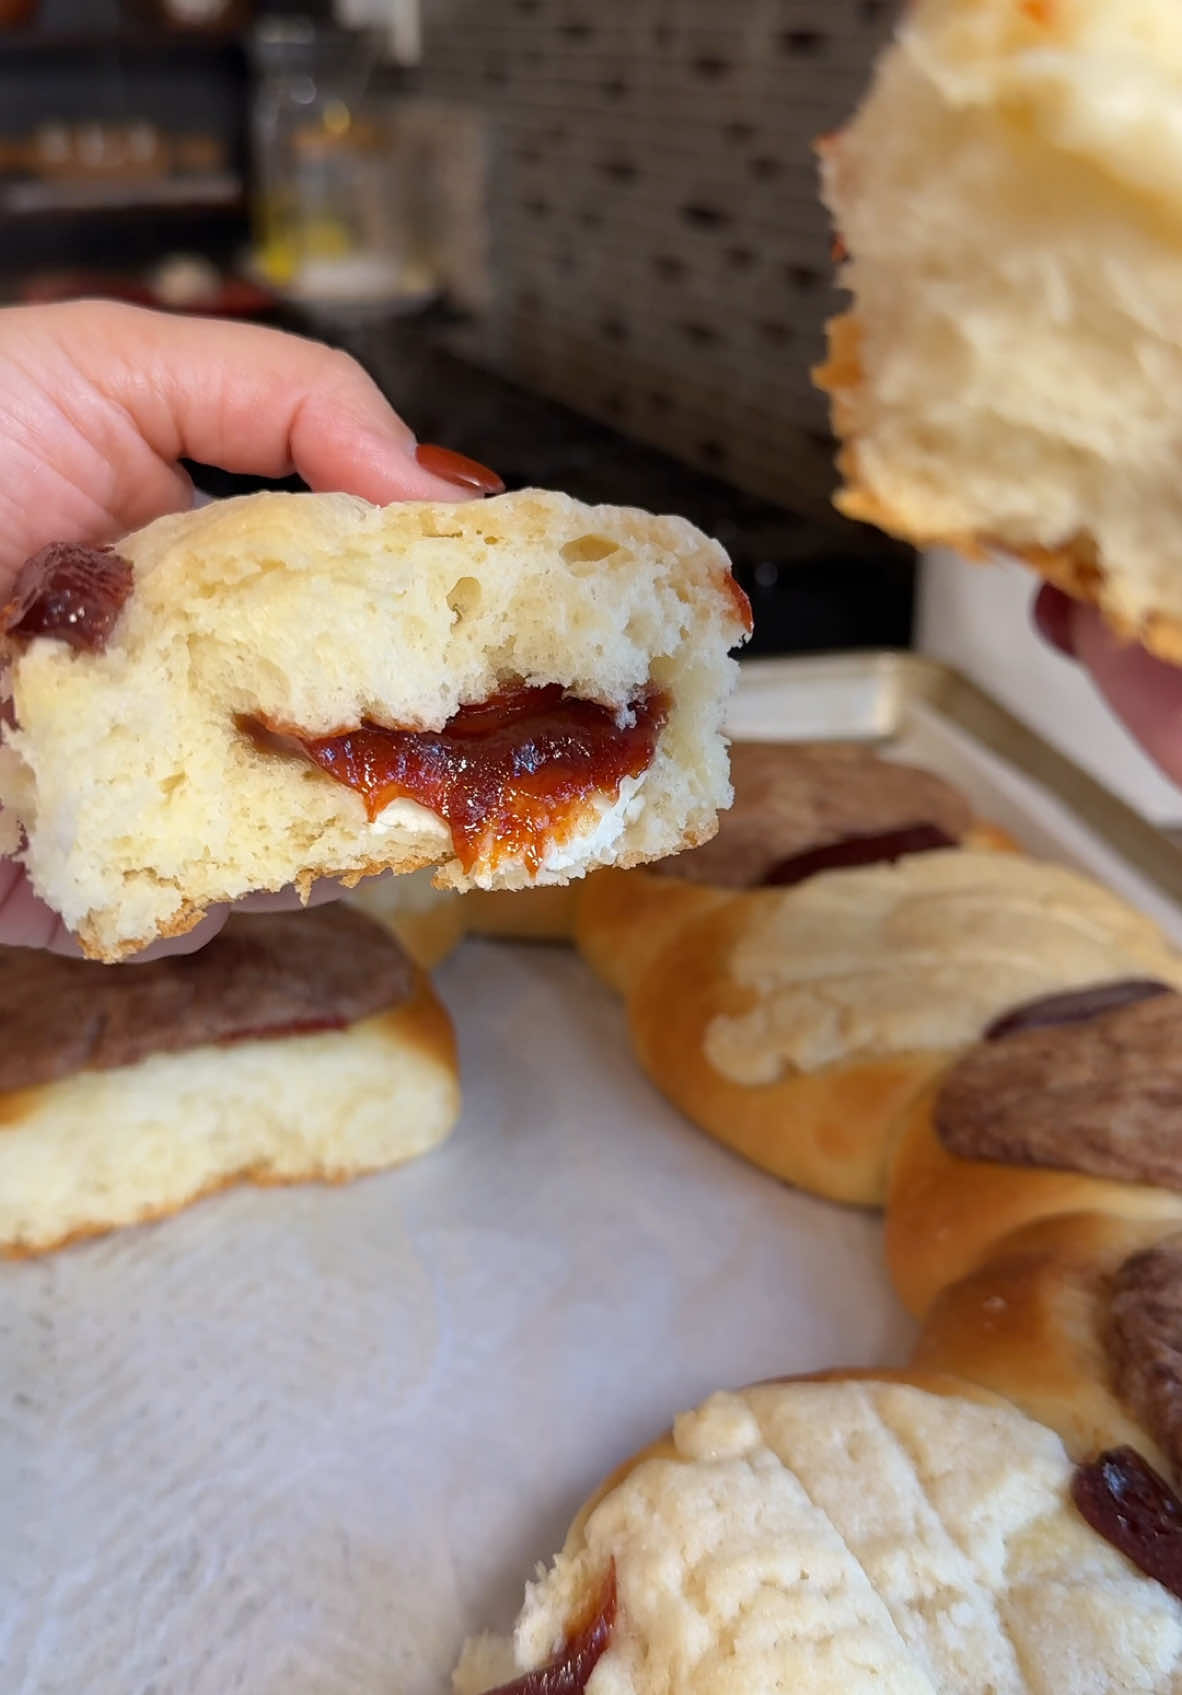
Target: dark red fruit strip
[(851, 851), (69, 591), (1125, 1501), (567, 1673), (1076, 1006)]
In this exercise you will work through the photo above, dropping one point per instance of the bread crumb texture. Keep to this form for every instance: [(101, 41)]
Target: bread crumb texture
[(141, 800), (918, 955), (851, 1537), (1009, 195)]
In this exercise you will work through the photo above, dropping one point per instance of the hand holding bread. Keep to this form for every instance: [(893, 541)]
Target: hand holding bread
[(103, 400)]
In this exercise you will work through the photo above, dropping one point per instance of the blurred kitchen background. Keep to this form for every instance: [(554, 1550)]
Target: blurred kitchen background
[(578, 240)]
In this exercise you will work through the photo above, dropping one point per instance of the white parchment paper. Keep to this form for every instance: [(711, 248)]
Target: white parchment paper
[(302, 1442)]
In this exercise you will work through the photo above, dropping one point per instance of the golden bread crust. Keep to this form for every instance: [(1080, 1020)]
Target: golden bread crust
[(790, 797), (430, 936), (797, 1024), (624, 919), (826, 1131), (945, 1214), (1029, 1324)]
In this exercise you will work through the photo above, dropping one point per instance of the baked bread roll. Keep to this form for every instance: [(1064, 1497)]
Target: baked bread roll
[(1052, 1119), (839, 1538), (796, 1025), (285, 687), (798, 807), (1078, 1321), (291, 1047), (1010, 373), (430, 923)]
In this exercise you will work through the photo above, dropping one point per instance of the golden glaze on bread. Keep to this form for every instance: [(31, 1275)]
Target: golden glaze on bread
[(824, 1130), (945, 1214), (1029, 1323)]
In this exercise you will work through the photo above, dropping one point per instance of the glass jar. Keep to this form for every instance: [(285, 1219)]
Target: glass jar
[(335, 217)]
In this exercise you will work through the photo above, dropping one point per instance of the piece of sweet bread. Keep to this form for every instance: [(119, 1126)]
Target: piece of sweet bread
[(845, 1536), (1009, 375), (292, 1047), (799, 807), (283, 687), (796, 1025)]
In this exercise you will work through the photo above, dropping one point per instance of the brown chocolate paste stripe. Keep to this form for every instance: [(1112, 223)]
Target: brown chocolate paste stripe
[(1143, 1340), (1075, 1006), (570, 1669), (1127, 1503), (265, 975), (1100, 1096), (70, 592), (849, 852)]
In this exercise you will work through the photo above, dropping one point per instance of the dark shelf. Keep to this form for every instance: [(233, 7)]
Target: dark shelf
[(151, 45), (221, 191)]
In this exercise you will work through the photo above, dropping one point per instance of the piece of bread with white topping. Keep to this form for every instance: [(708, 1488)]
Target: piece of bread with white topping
[(840, 1537)]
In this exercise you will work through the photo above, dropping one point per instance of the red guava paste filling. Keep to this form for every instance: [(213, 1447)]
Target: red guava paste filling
[(570, 1669), (69, 591), (508, 775)]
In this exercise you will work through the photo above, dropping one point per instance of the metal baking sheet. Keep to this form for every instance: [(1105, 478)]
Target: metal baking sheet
[(915, 708), (301, 1442)]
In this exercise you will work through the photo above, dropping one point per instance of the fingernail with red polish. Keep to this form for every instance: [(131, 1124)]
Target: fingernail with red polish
[(458, 468), (1054, 614)]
